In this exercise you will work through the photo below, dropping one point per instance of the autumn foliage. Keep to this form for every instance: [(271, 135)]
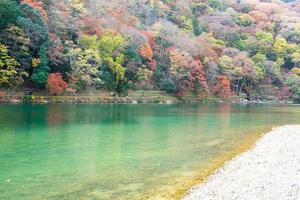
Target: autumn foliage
[(146, 51), (284, 93), (223, 86), (56, 85), (38, 5), (182, 47), (198, 75)]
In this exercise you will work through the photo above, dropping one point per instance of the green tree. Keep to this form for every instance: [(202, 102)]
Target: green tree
[(33, 25), (40, 75), (196, 26), (19, 45), (259, 61), (244, 20), (9, 12), (85, 67), (216, 4)]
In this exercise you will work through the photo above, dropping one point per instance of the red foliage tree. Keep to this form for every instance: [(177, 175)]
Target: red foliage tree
[(284, 93), (223, 86), (198, 75), (56, 85)]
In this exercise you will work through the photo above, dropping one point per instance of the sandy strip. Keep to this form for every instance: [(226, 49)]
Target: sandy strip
[(269, 171)]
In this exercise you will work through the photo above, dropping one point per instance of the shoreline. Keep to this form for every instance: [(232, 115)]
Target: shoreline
[(107, 99), (252, 174), (182, 186)]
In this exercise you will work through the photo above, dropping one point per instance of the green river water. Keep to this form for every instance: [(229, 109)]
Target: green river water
[(115, 152)]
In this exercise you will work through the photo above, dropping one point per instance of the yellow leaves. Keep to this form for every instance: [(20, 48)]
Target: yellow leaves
[(110, 42), (296, 71), (279, 62), (245, 20), (143, 74), (109, 45), (178, 59), (35, 62), (225, 62), (7, 66), (216, 43), (88, 41), (106, 48), (115, 64), (280, 46)]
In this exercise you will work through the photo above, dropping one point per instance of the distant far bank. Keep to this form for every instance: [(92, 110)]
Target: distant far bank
[(133, 97)]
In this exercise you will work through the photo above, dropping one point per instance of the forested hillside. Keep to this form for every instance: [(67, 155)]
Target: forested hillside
[(203, 47)]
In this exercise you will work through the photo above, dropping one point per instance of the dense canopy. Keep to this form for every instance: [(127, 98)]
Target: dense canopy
[(201, 47)]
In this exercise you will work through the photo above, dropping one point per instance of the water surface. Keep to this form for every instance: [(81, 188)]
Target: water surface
[(120, 151)]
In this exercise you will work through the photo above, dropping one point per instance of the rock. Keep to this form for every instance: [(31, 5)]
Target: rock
[(134, 102), (168, 102)]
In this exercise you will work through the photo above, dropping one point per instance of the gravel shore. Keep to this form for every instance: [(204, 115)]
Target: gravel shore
[(269, 171)]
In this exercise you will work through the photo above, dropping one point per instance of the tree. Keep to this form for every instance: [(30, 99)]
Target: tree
[(19, 46), (146, 51), (8, 67), (245, 20), (216, 4), (85, 67), (223, 86), (180, 71), (196, 26), (259, 60), (40, 74), (280, 46), (33, 25), (296, 58), (199, 78), (55, 84), (38, 5), (9, 12), (109, 46)]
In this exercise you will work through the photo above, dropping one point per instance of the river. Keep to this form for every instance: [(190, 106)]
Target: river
[(93, 151)]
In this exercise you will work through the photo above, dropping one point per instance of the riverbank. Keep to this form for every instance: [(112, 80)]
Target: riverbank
[(270, 170), (133, 97)]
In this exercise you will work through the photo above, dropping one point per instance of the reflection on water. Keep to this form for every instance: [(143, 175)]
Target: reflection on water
[(122, 151)]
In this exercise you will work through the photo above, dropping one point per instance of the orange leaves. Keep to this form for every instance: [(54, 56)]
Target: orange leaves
[(223, 86), (198, 75), (178, 59), (187, 72), (146, 51), (56, 85), (38, 5)]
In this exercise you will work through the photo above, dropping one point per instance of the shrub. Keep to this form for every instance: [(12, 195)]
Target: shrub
[(55, 84)]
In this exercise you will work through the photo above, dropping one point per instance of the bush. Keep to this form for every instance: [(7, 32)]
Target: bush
[(55, 84)]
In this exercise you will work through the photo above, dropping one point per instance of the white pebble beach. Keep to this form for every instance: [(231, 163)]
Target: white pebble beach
[(269, 171)]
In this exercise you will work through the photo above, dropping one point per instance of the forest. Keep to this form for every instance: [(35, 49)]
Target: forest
[(200, 47)]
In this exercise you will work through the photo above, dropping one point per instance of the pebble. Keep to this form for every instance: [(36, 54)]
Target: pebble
[(269, 171)]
